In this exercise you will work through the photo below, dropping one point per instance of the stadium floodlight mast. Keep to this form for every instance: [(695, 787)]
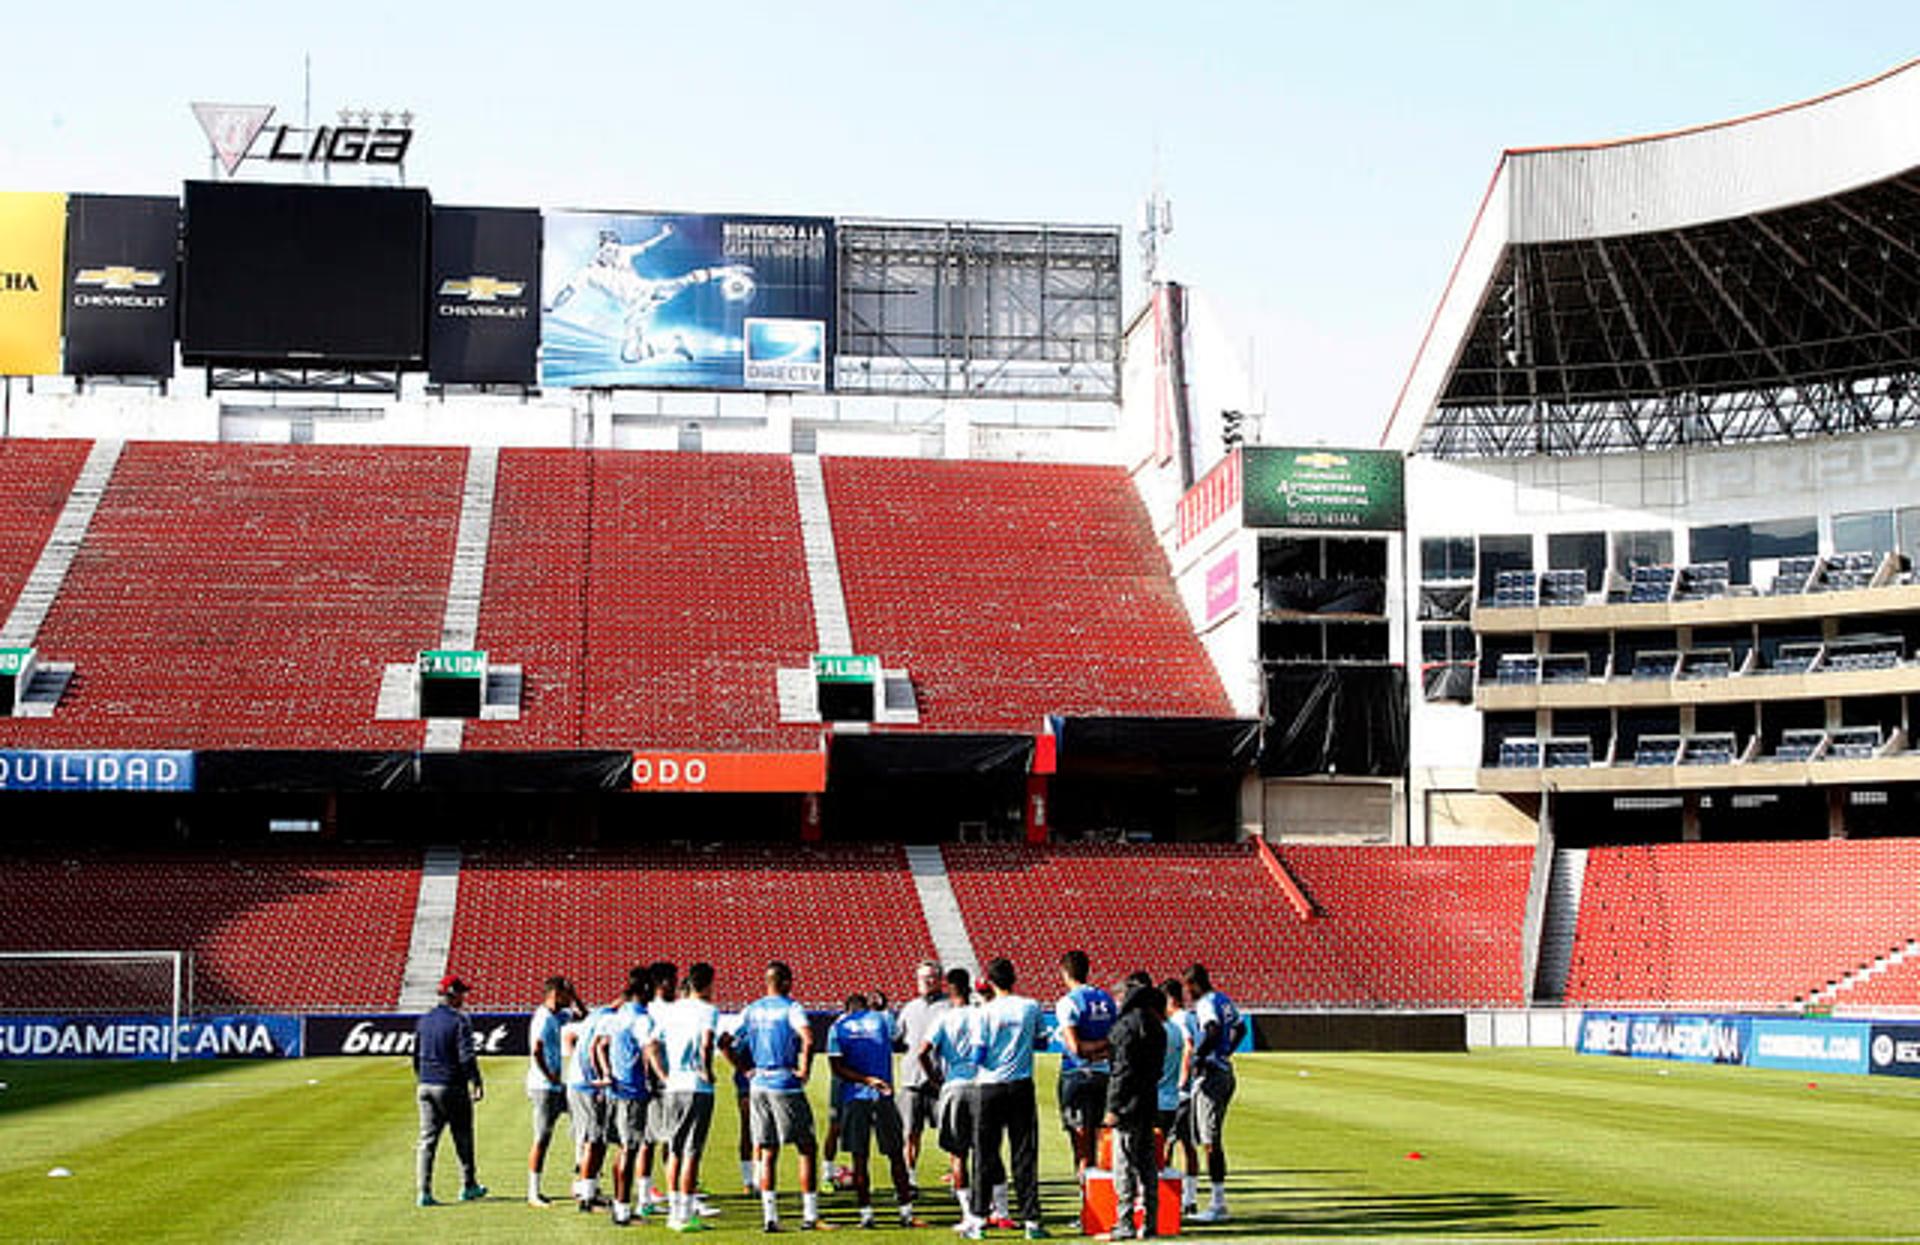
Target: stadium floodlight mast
[(176, 963)]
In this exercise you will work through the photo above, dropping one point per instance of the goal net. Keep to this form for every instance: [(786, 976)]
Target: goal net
[(92, 983)]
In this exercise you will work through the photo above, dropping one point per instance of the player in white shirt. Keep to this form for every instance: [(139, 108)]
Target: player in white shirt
[(663, 991), (612, 273), (688, 1028), (916, 1095)]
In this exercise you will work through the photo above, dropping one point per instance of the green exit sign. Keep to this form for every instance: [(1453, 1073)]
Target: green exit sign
[(835, 668), (453, 663), (14, 661)]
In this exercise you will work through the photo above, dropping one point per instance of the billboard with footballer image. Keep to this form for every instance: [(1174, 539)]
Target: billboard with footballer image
[(697, 302)]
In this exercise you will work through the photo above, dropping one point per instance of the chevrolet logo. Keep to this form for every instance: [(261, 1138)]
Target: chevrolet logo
[(118, 277), (1320, 460), (481, 289)]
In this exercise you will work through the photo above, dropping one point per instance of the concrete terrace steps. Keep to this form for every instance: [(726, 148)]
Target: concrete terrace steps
[(432, 938)]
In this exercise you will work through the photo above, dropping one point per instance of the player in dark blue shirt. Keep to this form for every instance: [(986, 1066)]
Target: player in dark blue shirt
[(448, 1083)]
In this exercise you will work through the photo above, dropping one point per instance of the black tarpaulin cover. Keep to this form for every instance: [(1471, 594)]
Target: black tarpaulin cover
[(1448, 681), (1185, 745), (928, 755), (274, 770), (1336, 720)]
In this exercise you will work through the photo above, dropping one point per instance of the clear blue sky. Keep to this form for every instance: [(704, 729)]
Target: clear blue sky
[(1324, 160)]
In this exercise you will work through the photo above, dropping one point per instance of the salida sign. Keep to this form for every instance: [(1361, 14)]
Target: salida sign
[(361, 137)]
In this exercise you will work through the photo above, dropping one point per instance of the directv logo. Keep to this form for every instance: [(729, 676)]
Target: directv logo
[(786, 354), (482, 297)]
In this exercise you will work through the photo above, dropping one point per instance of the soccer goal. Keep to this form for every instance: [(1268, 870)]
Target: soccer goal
[(79, 983)]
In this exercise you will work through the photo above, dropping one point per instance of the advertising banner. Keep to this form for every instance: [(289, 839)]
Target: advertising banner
[(763, 772), (148, 1037), (703, 302), (1223, 586), (483, 326), (1359, 490), (122, 273), (33, 240), (1662, 1035), (1894, 1050), (494, 1033), (1809, 1045), (24, 769)]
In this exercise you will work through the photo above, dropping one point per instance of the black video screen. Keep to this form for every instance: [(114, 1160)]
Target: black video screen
[(293, 275)]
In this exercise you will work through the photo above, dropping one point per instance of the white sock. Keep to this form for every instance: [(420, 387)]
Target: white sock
[(1219, 1193), (746, 1172), (809, 1207), (579, 1189), (866, 1214), (966, 1203), (1000, 1201), (622, 1212), (646, 1190), (533, 1184), (1188, 1192), (769, 1205)]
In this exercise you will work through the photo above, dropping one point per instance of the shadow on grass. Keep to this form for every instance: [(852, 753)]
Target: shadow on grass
[(1332, 1212), (32, 1084), (1298, 1202)]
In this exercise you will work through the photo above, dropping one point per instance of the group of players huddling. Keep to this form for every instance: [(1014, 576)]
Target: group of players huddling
[(636, 1076)]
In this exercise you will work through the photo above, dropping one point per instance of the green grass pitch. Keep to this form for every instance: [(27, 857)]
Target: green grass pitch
[(1516, 1146)]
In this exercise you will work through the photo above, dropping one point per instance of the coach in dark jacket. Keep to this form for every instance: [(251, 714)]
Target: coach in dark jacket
[(1138, 1041), (448, 1079)]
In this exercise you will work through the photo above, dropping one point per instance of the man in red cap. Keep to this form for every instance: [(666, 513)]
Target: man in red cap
[(449, 1084)]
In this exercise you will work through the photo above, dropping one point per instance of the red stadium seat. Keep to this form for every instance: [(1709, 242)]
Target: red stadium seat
[(1761, 924), (846, 918), (1401, 927), (314, 929)]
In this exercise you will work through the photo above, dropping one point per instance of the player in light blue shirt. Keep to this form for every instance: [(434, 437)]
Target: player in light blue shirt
[(546, 1078), (627, 1050), (1084, 1013), (1179, 1129), (1009, 1029), (778, 1038), (1219, 1027), (586, 1102)]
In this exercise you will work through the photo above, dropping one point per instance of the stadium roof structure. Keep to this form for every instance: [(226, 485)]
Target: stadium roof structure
[(1751, 280)]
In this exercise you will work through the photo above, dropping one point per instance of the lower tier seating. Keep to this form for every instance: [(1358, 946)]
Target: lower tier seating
[(846, 918), (1739, 923), (1412, 927), (269, 931)]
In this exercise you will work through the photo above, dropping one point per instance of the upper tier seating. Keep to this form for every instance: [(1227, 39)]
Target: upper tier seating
[(1010, 591), (315, 929), (683, 577), (231, 596), (35, 478)]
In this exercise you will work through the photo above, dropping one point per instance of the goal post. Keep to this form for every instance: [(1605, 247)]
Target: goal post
[(95, 982)]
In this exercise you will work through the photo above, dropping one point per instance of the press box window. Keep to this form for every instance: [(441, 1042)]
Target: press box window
[(1446, 558)]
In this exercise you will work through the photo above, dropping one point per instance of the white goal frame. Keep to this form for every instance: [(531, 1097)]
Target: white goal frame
[(178, 961)]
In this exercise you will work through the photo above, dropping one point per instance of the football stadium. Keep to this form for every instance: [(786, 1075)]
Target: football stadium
[(616, 654)]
